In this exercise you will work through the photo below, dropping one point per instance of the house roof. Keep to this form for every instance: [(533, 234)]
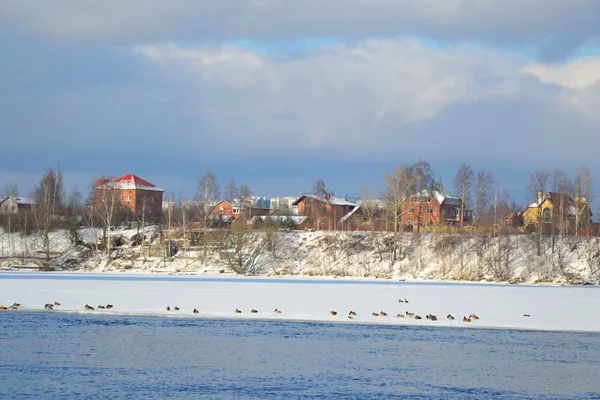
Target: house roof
[(336, 201), (345, 217), (439, 194), (22, 201), (130, 182), (553, 197)]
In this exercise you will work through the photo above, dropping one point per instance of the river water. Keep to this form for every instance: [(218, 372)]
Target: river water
[(61, 355)]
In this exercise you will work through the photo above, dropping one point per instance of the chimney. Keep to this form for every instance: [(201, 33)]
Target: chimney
[(539, 194), (101, 181)]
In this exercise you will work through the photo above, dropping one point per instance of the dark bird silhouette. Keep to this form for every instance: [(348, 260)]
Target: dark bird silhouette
[(196, 311), (450, 317), (333, 312), (237, 311)]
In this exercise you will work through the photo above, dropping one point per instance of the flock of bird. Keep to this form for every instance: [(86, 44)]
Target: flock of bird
[(351, 314)]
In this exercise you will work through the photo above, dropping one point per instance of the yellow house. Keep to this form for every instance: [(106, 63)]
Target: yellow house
[(544, 207)]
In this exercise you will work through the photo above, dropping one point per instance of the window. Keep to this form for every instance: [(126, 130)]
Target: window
[(453, 212), (450, 200), (430, 211), (129, 198), (411, 222), (547, 214), (429, 223), (235, 210), (414, 199), (411, 211), (122, 198), (427, 199)]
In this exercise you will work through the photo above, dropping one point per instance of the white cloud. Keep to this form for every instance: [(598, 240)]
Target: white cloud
[(336, 95), (580, 80), (578, 74)]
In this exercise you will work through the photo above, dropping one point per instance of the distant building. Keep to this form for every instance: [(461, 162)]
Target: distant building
[(261, 202), (325, 212), (132, 193), (236, 210), (15, 204), (285, 204)]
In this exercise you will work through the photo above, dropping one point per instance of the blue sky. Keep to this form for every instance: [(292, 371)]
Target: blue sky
[(278, 94)]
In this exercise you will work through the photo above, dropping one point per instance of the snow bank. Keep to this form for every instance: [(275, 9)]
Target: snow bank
[(498, 306)]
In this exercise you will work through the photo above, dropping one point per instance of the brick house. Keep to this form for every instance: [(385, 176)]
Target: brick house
[(237, 210), (132, 193), (324, 212), (432, 207)]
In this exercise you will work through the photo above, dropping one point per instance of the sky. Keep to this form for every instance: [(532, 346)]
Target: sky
[(279, 93)]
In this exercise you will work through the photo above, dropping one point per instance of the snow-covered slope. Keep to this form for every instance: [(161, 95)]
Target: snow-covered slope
[(336, 254)]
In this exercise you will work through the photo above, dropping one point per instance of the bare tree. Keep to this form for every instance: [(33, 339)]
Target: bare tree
[(397, 190), (242, 251), (245, 196), (483, 193), (538, 185), (463, 184), (231, 191), (208, 193), (105, 202), (48, 196), (319, 188), (422, 181), (583, 199), (11, 189)]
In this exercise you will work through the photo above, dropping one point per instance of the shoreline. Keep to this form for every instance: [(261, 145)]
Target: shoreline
[(391, 323), (217, 277), (534, 307)]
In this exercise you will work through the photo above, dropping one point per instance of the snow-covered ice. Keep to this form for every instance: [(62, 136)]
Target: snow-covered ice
[(498, 306)]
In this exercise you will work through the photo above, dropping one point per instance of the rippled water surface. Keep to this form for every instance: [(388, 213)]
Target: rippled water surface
[(82, 356)]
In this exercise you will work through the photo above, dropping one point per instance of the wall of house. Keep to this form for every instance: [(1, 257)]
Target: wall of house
[(9, 206), (427, 219), (322, 215), (132, 201), (531, 214)]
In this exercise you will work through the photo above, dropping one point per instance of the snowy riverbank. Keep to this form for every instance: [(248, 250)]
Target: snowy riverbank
[(498, 306)]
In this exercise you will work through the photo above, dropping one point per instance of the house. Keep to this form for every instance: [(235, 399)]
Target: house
[(324, 212), (236, 210), (554, 207), (15, 205), (432, 208), (132, 193)]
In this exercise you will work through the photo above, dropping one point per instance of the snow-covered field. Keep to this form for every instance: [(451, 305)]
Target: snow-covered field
[(497, 306)]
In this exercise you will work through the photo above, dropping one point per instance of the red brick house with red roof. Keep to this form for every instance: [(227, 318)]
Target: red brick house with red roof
[(132, 193)]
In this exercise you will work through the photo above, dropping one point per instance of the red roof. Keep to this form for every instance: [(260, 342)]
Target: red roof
[(136, 180), (130, 182)]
